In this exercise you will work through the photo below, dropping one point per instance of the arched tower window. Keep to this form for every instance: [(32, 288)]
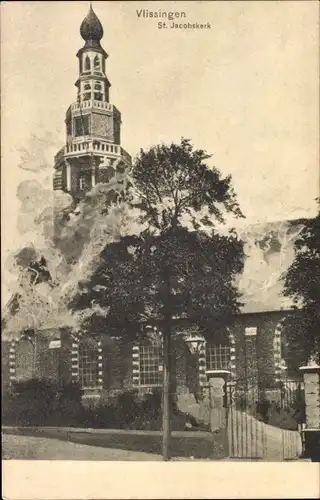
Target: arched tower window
[(87, 63), (96, 63), (98, 96)]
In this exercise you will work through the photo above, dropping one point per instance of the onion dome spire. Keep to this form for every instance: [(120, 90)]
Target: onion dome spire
[(91, 28)]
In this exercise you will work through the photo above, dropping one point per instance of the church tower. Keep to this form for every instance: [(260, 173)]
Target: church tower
[(93, 151)]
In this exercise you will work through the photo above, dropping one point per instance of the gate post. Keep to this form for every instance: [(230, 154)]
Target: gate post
[(218, 402), (311, 378)]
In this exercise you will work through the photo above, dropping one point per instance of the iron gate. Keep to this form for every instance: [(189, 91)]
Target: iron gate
[(246, 434), (265, 423), (291, 410)]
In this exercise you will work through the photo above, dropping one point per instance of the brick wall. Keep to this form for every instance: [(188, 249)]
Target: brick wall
[(255, 357)]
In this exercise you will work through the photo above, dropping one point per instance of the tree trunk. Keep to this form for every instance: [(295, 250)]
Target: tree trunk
[(166, 397), (35, 353)]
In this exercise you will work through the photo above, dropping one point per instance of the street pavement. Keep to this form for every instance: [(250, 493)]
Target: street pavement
[(18, 447), (39, 448)]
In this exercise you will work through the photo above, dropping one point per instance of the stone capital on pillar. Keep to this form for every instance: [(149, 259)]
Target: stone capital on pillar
[(311, 367), (218, 374)]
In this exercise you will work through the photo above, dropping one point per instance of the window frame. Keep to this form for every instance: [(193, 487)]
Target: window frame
[(85, 374), (83, 128), (220, 359), (153, 361), (96, 63), (87, 63), (82, 183)]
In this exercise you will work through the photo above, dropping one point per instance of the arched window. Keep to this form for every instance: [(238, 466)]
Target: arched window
[(213, 355), (98, 96), (69, 127), (88, 364), (151, 365), (85, 181), (218, 357), (147, 359), (87, 64), (96, 63), (81, 126)]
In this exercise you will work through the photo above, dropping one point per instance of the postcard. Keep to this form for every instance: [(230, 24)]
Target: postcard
[(160, 249)]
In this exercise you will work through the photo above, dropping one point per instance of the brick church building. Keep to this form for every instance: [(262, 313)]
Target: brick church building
[(93, 154)]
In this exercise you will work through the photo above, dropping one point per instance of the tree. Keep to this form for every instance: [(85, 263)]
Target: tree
[(302, 285), (178, 266)]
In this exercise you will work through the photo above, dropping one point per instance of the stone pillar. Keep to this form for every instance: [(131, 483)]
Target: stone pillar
[(311, 377), (68, 176), (93, 175), (216, 387), (218, 400)]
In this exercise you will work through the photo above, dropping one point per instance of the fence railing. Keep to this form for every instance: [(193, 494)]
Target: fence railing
[(264, 422)]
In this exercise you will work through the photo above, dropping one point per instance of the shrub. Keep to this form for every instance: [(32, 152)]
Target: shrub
[(262, 409), (31, 402), (69, 406), (119, 412), (127, 408), (42, 402), (71, 392), (151, 405)]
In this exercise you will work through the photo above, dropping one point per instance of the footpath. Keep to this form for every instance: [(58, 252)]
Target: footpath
[(50, 443)]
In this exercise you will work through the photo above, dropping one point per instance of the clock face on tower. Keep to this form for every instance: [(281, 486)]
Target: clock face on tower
[(102, 126)]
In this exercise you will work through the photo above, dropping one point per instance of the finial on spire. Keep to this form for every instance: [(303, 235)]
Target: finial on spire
[(91, 28)]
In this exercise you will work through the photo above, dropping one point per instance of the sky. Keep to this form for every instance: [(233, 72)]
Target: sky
[(246, 90)]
